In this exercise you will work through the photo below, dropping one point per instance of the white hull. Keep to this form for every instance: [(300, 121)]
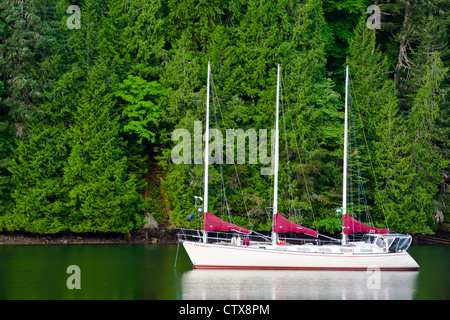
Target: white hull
[(336, 257)]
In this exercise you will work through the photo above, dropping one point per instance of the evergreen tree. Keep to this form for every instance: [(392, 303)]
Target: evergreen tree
[(131, 42), (341, 17), (195, 19), (39, 193), (144, 38), (131, 38), (427, 160), (102, 195), (25, 40), (184, 76), (314, 126), (85, 113), (418, 28), (374, 110), (244, 58), (6, 139), (412, 180)]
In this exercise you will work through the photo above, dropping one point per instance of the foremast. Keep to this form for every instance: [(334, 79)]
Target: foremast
[(344, 182)]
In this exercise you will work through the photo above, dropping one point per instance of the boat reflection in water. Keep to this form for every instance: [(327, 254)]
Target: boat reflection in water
[(283, 284)]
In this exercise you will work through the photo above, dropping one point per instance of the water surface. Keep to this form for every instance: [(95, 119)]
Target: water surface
[(147, 272)]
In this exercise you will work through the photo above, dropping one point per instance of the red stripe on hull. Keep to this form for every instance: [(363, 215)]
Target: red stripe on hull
[(297, 268)]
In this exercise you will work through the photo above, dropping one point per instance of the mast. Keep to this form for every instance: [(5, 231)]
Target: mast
[(276, 158), (344, 182), (206, 157)]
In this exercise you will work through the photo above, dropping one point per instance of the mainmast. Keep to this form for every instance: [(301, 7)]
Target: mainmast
[(276, 160), (206, 157), (344, 182)]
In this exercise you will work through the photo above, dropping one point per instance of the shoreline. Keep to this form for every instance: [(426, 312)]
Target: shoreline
[(154, 236), (139, 237)]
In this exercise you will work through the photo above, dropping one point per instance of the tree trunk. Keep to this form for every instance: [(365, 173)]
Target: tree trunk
[(403, 61)]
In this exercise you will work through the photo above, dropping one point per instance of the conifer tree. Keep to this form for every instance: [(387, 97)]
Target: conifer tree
[(374, 105), (426, 159), (415, 29), (26, 43), (184, 76), (312, 118), (85, 113), (102, 195), (39, 193), (341, 17), (245, 57), (194, 18), (412, 179), (25, 40), (6, 139)]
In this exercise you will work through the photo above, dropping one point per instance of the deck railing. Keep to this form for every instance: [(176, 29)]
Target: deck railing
[(254, 239)]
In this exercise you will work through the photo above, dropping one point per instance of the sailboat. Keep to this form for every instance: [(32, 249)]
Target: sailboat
[(377, 249)]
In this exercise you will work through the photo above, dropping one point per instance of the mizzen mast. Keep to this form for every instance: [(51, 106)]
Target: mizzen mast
[(276, 160)]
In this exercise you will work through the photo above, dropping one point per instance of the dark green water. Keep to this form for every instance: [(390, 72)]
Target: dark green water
[(147, 272)]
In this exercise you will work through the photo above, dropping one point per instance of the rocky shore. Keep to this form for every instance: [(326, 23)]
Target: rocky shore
[(441, 237), (141, 237)]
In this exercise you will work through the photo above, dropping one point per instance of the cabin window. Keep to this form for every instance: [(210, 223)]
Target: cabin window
[(404, 243), (394, 245), (367, 239), (379, 242)]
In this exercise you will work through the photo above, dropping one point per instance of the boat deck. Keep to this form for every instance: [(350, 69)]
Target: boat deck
[(353, 248)]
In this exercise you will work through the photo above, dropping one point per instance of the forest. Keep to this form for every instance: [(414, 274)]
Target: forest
[(91, 92)]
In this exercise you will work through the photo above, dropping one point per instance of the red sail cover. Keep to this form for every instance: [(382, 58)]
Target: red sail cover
[(351, 225), (212, 223), (283, 225)]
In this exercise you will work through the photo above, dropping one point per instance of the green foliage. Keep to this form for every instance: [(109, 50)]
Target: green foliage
[(142, 107), (102, 196), (84, 113), (374, 113), (155, 202), (244, 59), (196, 18), (39, 194), (341, 16), (6, 139), (331, 224), (414, 169)]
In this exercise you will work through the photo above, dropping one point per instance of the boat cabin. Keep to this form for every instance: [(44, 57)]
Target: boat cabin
[(390, 242)]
